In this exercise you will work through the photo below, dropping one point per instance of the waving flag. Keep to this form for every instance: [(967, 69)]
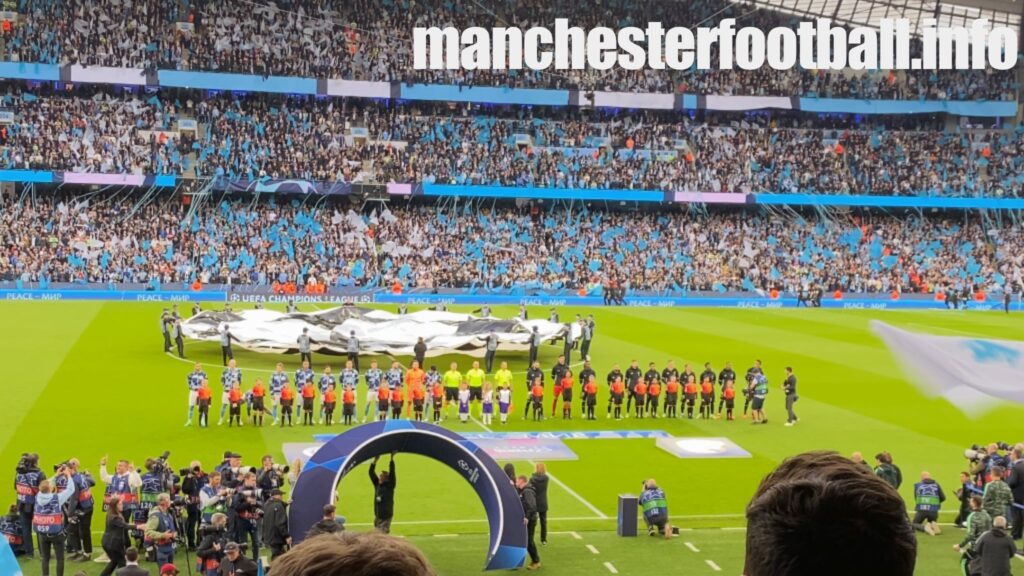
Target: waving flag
[(973, 374)]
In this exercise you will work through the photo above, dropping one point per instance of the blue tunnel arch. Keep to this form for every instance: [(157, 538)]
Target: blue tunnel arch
[(318, 482)]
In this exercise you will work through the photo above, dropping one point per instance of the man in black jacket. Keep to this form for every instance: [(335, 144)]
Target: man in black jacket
[(994, 550), (1016, 483), (383, 495), (275, 525), (539, 481), (528, 496), (235, 564), (329, 524), (215, 540)]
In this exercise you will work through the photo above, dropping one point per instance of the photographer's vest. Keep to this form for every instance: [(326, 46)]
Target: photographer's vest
[(150, 489), (48, 518), (654, 504), (119, 487), (926, 496), (217, 507), (85, 500), (27, 486), (11, 529), (165, 524)]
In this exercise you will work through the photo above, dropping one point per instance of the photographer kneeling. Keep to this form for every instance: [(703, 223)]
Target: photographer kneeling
[(655, 508), (213, 543)]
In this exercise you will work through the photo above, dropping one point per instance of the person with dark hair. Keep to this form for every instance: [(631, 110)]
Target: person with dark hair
[(528, 497), (888, 471), (997, 497), (275, 525), (131, 564), (539, 480), (978, 522), (115, 536), (235, 563), (383, 495), (994, 550), (353, 554), (821, 513), (964, 495), (510, 471), (1016, 484), (329, 524), (789, 387), (48, 519)]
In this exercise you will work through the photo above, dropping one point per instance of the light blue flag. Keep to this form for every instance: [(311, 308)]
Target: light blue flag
[(8, 563)]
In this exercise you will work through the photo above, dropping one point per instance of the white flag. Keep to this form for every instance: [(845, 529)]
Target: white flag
[(973, 374)]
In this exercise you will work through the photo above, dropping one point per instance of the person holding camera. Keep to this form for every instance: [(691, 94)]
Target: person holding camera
[(245, 511), (79, 513), (27, 479), (212, 498), (160, 530), (275, 525), (655, 509), (211, 547), (235, 563), (115, 536), (192, 482), (48, 519), (270, 476)]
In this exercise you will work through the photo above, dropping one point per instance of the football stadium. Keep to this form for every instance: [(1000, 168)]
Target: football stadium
[(279, 299)]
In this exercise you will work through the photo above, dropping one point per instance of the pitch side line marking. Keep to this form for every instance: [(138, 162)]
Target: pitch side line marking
[(592, 549), (610, 568), (573, 493), (714, 566), (691, 546)]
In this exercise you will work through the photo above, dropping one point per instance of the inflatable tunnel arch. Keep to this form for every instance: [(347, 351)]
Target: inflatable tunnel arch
[(317, 484)]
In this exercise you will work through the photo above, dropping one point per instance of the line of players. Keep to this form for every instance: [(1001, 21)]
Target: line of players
[(432, 395)]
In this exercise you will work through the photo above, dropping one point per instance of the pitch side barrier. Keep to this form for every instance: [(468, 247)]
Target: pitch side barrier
[(908, 302), (486, 94)]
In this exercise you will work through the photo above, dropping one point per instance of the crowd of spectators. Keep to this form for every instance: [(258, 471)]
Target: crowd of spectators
[(245, 241), (372, 40), (256, 137)]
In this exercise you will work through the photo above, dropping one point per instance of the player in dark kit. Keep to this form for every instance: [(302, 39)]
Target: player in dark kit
[(651, 375), (690, 396), (614, 375), (633, 375), (669, 371), (671, 397), (726, 375)]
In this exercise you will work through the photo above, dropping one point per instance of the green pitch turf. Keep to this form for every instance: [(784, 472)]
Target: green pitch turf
[(88, 379)]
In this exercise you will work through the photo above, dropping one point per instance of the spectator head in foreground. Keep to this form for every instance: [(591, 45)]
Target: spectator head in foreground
[(352, 554), (821, 513)]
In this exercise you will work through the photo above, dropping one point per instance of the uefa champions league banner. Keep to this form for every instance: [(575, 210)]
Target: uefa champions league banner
[(291, 186), (972, 374), (317, 484)]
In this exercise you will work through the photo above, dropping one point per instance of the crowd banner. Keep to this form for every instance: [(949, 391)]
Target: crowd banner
[(711, 198), (107, 75), (990, 108), (484, 94), (239, 82), (890, 201), (745, 103), (164, 180), (624, 100), (293, 186), (358, 89)]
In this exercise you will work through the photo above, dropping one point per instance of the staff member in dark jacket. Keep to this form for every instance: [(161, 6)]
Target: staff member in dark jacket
[(994, 550), (115, 536), (419, 351), (528, 496), (329, 524), (539, 480), (275, 525), (383, 495), (1016, 484), (211, 548), (235, 564)]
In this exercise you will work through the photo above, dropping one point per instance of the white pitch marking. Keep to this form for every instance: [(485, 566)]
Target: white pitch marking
[(691, 546), (736, 528), (446, 535), (592, 549), (576, 535), (714, 566), (610, 568)]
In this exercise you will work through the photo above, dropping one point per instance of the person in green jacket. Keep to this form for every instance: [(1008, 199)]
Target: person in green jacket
[(978, 523), (998, 497)]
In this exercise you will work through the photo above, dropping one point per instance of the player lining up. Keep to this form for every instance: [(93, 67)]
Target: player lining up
[(374, 377)]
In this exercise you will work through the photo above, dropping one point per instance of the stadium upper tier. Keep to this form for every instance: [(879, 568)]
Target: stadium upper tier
[(325, 140), (370, 40), (114, 238)]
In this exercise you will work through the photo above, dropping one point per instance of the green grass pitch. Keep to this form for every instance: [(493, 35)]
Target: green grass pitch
[(90, 378)]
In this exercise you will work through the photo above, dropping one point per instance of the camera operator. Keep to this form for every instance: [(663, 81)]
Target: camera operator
[(275, 525), (246, 512), (235, 563), (27, 478), (229, 468), (192, 482), (48, 519), (982, 467), (115, 537), (160, 530), (270, 476), (79, 512), (211, 547), (655, 508)]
